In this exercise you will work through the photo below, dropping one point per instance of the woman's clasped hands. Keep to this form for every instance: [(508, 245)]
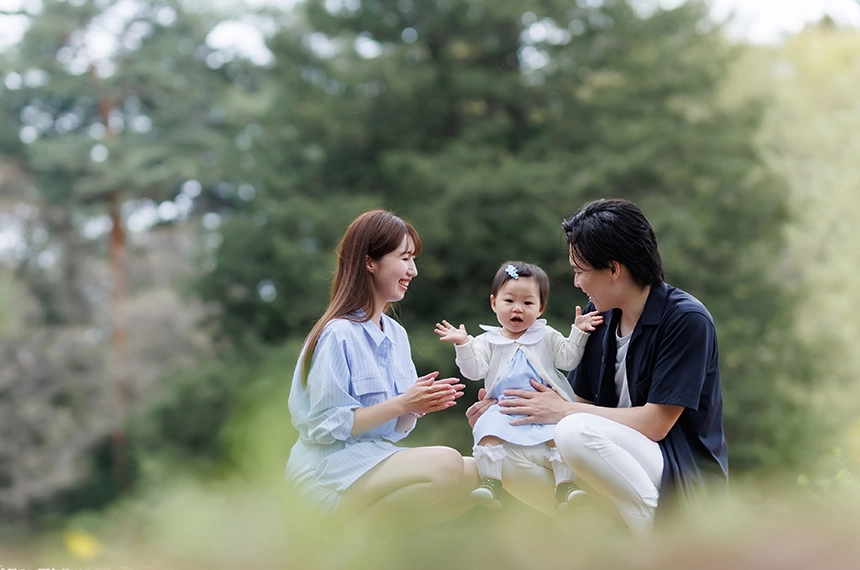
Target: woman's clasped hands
[(430, 394)]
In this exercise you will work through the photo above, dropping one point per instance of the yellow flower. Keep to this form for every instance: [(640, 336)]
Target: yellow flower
[(82, 544)]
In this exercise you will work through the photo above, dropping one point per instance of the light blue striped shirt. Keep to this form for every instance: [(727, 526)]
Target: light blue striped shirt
[(354, 365)]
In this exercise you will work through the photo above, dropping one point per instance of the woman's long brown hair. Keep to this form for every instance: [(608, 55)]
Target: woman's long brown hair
[(374, 234)]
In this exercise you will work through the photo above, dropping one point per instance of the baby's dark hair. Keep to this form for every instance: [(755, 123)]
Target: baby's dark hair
[(510, 269)]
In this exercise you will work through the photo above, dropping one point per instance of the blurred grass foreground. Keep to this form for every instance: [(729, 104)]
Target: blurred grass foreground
[(250, 519), (237, 525)]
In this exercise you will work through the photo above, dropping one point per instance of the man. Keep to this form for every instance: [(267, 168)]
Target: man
[(646, 426)]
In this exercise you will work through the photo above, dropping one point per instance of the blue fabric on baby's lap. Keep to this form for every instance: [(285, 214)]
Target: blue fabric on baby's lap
[(494, 423)]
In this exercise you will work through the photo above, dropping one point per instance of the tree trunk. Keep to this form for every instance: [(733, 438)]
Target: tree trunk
[(119, 337)]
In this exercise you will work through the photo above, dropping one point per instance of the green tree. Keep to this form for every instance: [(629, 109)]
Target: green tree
[(809, 135), (116, 114), (486, 124)]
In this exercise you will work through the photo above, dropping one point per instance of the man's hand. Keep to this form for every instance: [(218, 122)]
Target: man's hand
[(542, 407), (478, 408)]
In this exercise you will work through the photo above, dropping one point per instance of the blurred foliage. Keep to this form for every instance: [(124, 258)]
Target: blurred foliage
[(93, 133), (52, 404), (189, 524), (810, 133), (182, 424), (147, 105)]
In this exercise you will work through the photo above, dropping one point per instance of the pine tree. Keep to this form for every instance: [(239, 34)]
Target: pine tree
[(110, 106), (488, 123)]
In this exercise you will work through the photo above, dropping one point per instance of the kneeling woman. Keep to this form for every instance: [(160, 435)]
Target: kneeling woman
[(355, 392)]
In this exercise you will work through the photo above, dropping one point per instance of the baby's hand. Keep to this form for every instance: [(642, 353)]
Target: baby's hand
[(449, 332), (587, 322)]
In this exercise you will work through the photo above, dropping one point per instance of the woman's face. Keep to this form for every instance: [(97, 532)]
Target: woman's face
[(393, 272)]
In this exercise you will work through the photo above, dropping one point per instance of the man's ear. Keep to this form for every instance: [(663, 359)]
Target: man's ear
[(613, 267), (615, 270)]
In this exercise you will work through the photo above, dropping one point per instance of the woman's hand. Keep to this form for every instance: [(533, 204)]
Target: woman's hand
[(431, 395), (427, 395), (478, 408)]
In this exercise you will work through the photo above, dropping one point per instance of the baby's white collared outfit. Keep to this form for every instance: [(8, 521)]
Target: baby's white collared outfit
[(506, 364)]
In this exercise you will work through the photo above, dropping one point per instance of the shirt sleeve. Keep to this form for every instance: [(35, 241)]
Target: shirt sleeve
[(567, 352), (331, 412), (682, 363), (473, 358)]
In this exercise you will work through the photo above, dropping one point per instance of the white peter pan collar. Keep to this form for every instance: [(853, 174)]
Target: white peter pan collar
[(532, 335)]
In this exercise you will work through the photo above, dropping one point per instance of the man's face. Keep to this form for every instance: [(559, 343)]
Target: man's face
[(596, 283)]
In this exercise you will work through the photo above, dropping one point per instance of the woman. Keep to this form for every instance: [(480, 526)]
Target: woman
[(355, 392)]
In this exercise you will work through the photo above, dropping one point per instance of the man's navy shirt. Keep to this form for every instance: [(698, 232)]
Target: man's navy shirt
[(672, 359)]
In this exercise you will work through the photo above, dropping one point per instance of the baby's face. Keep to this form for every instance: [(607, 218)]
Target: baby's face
[(517, 305)]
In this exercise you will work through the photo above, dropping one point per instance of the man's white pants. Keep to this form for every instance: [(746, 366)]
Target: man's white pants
[(616, 462)]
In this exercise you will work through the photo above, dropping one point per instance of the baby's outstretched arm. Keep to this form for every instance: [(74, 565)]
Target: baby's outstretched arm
[(449, 332), (587, 322)]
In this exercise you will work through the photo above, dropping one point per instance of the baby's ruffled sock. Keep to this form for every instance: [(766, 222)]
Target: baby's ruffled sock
[(489, 459), (567, 494)]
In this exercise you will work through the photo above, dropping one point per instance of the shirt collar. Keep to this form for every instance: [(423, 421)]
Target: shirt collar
[(532, 335), (377, 336), (651, 312), (654, 305)]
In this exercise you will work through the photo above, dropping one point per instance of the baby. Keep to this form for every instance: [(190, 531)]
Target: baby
[(524, 348)]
